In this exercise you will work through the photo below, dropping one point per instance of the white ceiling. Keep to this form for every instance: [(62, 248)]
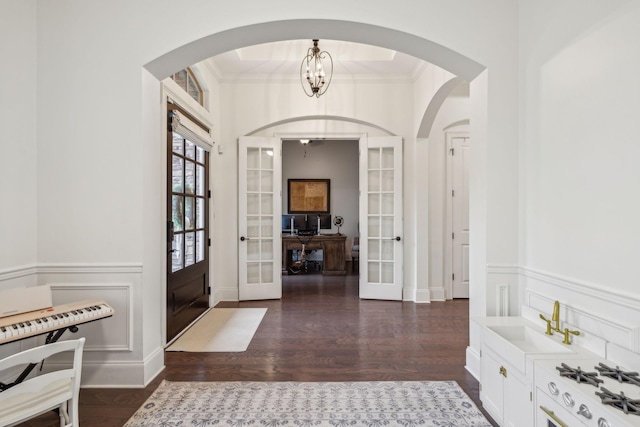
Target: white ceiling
[(285, 58)]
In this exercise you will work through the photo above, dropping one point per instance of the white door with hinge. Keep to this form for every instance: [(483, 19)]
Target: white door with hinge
[(259, 217), (381, 245), (459, 152)]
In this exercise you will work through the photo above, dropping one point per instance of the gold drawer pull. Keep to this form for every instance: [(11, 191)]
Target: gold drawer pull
[(553, 416), (503, 371)]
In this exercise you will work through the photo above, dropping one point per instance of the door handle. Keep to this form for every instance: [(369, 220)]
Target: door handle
[(242, 239), (397, 238)]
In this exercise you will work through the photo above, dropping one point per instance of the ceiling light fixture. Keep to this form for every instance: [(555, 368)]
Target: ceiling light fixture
[(313, 71)]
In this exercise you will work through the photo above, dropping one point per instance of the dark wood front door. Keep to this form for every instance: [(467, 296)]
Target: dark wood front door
[(187, 232)]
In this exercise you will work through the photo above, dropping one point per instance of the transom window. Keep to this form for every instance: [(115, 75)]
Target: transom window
[(187, 81)]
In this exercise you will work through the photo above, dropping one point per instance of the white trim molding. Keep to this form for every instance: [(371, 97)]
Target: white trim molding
[(600, 312)]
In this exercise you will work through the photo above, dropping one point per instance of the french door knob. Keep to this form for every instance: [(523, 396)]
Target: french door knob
[(242, 239), (398, 238)]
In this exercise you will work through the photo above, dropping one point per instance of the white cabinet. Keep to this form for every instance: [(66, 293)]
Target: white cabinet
[(506, 393)]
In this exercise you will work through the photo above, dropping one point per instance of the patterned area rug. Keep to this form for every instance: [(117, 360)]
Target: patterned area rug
[(348, 404)]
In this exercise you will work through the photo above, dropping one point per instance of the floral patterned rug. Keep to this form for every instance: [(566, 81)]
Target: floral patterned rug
[(340, 404)]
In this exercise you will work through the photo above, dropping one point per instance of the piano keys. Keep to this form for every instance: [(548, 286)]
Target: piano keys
[(51, 320)]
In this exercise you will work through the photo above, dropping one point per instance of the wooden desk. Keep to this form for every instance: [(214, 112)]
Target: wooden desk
[(332, 246)]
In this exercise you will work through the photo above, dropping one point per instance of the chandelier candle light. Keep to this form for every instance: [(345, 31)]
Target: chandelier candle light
[(316, 71)]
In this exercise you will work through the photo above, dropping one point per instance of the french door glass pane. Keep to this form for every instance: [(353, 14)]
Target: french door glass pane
[(374, 203), (253, 181), (253, 204), (387, 181), (189, 249), (190, 177), (177, 176), (267, 226), (253, 158), (266, 183), (200, 180), (386, 272), (199, 154), (267, 250), (199, 245), (176, 254), (200, 213), (373, 272), (267, 158), (253, 250), (387, 227), (190, 150), (386, 203), (177, 210), (253, 272), (189, 213), (267, 204), (374, 249), (253, 226), (387, 250), (177, 144), (387, 158), (374, 158), (374, 226), (267, 272)]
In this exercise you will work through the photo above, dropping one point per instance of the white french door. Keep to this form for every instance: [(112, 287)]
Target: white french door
[(259, 217), (381, 246)]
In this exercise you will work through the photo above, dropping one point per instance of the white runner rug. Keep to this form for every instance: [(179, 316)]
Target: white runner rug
[(353, 404), (221, 330)]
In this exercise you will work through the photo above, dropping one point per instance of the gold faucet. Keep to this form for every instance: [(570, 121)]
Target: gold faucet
[(555, 317), (566, 335)]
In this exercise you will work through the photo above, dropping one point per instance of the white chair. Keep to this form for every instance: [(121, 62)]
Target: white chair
[(45, 392)]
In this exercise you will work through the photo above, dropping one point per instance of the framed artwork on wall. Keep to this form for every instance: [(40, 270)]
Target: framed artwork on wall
[(309, 196)]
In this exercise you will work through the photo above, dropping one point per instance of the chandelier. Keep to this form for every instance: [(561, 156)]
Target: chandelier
[(313, 71)]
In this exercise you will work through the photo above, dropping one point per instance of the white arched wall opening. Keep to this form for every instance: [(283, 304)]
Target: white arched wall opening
[(461, 66), (214, 44)]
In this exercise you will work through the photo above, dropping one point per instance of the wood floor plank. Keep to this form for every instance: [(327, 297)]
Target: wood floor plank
[(319, 331)]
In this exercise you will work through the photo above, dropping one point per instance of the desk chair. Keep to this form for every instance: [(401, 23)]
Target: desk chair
[(355, 253), (45, 392)]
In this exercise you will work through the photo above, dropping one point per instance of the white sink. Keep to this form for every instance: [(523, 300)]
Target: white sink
[(514, 342), (528, 340)]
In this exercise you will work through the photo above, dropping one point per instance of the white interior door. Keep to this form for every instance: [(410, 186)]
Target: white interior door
[(381, 254), (459, 152), (259, 214)]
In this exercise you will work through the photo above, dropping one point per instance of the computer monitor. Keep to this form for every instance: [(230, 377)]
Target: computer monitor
[(325, 221), (299, 222)]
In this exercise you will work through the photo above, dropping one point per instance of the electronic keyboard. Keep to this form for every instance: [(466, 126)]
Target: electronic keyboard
[(52, 320)]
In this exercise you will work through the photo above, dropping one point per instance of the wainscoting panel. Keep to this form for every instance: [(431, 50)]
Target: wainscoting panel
[(110, 334), (597, 311), (18, 277)]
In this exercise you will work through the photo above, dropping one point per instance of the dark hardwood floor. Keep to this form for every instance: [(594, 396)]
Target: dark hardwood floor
[(319, 331)]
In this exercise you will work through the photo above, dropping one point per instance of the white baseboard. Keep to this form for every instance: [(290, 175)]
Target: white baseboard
[(122, 374), (423, 296), (473, 362)]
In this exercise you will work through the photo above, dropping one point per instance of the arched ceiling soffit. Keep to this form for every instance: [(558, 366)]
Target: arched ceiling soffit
[(274, 31), (316, 118), (434, 106)]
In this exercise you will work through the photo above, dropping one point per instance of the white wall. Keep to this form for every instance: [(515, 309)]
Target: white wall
[(332, 159), (580, 135), (19, 157)]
